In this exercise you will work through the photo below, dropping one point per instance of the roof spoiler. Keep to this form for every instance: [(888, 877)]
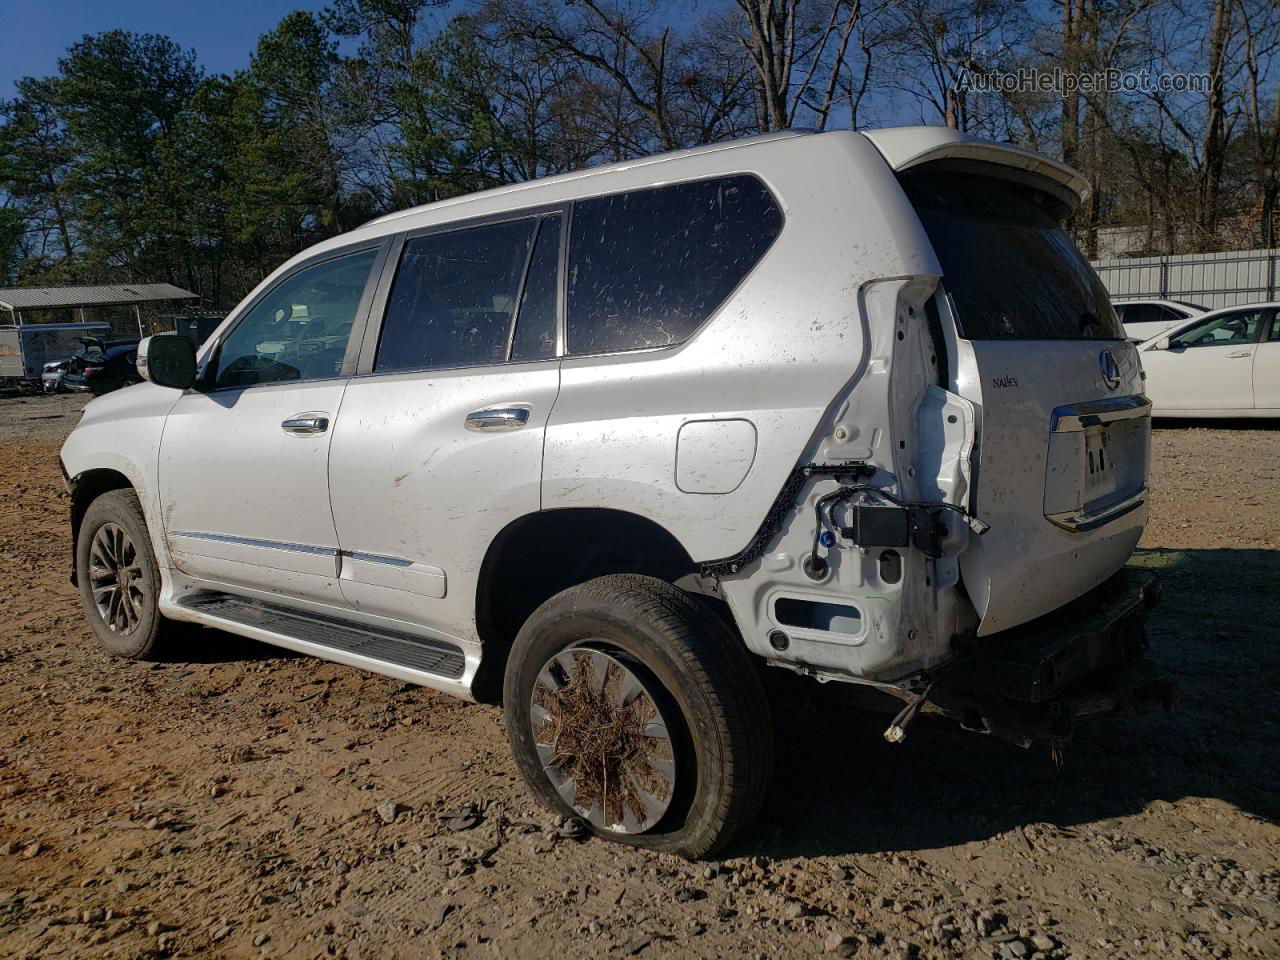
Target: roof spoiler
[(906, 148)]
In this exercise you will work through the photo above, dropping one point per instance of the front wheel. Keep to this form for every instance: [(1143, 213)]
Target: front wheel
[(631, 706), (119, 578)]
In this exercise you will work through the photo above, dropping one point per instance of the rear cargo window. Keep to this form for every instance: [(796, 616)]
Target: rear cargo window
[(1009, 266), (646, 268)]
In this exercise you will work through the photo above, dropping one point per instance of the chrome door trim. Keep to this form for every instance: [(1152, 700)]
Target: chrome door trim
[(263, 544), (1075, 417), (377, 558)]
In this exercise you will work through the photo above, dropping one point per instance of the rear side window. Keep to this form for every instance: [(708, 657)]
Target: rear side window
[(454, 298), (1147, 313), (1009, 266), (647, 268)]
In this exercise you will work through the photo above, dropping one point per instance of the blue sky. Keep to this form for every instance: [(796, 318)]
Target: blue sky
[(35, 33)]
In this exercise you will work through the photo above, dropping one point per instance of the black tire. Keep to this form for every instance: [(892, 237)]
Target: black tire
[(141, 637), (711, 699)]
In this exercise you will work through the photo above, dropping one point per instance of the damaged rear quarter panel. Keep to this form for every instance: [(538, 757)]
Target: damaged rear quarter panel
[(778, 353)]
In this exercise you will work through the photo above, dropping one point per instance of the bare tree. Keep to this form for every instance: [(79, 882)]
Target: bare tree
[(938, 44), (1260, 25), (798, 52), (1213, 145)]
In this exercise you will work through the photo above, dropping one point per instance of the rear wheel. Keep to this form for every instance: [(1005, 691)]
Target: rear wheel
[(119, 578), (632, 707)]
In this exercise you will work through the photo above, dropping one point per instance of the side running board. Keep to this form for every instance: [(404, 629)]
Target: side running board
[(332, 639)]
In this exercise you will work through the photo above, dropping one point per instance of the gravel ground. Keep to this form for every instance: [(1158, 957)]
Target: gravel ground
[(237, 804)]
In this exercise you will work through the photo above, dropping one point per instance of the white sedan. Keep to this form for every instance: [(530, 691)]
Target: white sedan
[(1222, 364), (1144, 319)]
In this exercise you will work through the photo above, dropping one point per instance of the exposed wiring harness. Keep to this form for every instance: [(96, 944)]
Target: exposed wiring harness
[(824, 522), (785, 503)]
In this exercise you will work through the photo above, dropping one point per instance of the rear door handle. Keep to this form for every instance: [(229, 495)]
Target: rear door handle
[(511, 417), (305, 424)]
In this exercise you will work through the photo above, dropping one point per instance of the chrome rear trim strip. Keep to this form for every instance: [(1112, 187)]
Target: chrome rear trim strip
[(1079, 521), (1074, 417)]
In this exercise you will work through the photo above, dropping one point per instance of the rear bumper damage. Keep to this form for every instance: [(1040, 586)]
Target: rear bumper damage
[(1085, 660)]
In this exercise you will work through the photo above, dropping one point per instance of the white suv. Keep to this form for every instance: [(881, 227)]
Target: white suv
[(601, 444)]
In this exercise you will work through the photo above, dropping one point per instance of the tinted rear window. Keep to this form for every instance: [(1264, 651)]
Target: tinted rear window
[(646, 268), (454, 298), (1009, 266)]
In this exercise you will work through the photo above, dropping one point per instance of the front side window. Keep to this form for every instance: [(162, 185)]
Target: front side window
[(1226, 330), (647, 268), (454, 298), (300, 329)]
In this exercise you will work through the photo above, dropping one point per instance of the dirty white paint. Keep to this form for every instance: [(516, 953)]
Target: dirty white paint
[(714, 456), (821, 354)]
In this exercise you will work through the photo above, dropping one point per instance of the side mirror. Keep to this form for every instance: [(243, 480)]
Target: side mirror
[(1162, 343), (167, 360)]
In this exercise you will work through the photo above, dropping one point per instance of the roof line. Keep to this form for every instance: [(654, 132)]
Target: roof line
[(510, 188)]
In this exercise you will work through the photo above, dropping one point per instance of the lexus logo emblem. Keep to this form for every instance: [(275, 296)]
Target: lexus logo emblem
[(1110, 369)]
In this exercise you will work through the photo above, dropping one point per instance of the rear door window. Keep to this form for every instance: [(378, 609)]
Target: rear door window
[(1147, 313), (453, 300), (1008, 264), (647, 268)]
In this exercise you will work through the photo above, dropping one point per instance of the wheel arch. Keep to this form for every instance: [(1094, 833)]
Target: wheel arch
[(540, 554), (84, 488)]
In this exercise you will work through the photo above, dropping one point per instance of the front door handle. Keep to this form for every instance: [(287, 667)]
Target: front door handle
[(498, 418), (1240, 355), (305, 424)]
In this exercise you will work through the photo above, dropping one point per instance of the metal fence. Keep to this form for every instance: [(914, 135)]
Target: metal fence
[(1209, 279)]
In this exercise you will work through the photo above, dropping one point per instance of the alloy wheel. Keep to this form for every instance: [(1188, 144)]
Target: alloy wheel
[(602, 740), (116, 579)]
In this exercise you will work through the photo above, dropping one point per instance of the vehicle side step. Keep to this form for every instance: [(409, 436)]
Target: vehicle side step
[(436, 657)]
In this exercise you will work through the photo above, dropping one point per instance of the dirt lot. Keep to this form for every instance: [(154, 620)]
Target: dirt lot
[(227, 806)]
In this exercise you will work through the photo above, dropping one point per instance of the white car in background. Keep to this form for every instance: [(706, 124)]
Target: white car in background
[(1144, 319), (1221, 364)]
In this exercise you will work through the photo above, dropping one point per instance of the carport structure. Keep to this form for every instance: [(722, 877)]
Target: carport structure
[(17, 300)]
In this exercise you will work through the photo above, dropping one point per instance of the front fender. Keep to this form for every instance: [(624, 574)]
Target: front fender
[(119, 437)]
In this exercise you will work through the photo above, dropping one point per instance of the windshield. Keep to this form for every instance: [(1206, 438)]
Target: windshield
[(1009, 266)]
